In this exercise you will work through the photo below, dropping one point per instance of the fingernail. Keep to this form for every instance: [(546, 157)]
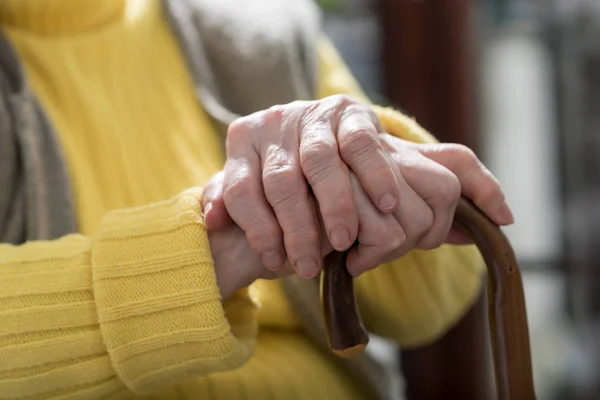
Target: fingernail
[(307, 268), (340, 238), (272, 260), (207, 208), (387, 202), (506, 214)]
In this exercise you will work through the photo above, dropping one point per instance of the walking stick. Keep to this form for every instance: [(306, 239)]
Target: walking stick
[(509, 331)]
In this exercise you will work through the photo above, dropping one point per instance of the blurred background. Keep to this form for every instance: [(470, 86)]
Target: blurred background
[(519, 82)]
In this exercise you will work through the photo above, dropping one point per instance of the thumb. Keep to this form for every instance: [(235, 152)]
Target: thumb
[(215, 212)]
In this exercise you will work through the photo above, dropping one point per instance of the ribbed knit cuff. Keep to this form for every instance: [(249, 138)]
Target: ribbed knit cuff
[(158, 302)]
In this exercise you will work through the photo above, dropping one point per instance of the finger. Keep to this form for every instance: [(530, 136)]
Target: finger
[(477, 182), (361, 149), (245, 201), (413, 213), (379, 234), (326, 246), (329, 179), (286, 190), (438, 187), (215, 212)]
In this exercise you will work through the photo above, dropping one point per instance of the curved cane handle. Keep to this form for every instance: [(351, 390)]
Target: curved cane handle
[(507, 313)]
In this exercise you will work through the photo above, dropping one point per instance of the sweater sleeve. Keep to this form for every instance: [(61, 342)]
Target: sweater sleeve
[(134, 308), (417, 298)]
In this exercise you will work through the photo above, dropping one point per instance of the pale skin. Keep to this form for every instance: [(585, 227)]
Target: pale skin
[(308, 177)]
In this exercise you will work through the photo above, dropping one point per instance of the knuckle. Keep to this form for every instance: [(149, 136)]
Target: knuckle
[(216, 179), (359, 143), (329, 106), (463, 155), (255, 125), (317, 159), (236, 189), (448, 190), (452, 187), (462, 151), (237, 131), (318, 151), (394, 235), (373, 117), (310, 111), (302, 237), (237, 126), (357, 107), (273, 115), (421, 225), (277, 174), (435, 237), (300, 104), (280, 184), (343, 205), (342, 100), (283, 201), (263, 236), (342, 210)]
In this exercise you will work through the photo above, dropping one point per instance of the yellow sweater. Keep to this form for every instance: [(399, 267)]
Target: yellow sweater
[(130, 307)]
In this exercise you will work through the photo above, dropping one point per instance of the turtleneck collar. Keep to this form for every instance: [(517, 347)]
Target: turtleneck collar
[(56, 17)]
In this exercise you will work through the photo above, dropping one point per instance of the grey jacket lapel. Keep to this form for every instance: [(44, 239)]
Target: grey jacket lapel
[(35, 194), (242, 58)]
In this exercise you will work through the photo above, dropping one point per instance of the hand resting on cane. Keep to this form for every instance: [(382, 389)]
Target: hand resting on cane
[(429, 179)]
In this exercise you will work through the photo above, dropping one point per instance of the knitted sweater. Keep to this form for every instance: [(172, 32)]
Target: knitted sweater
[(130, 306)]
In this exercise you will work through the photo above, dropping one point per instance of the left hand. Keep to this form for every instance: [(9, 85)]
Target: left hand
[(432, 178)]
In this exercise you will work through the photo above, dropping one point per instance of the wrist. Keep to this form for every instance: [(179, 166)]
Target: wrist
[(236, 265)]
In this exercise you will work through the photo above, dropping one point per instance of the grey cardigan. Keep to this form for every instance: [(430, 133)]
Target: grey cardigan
[(243, 55)]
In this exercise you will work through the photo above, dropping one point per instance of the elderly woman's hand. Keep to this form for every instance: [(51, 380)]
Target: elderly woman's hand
[(432, 177), (237, 265), (279, 158), (273, 154)]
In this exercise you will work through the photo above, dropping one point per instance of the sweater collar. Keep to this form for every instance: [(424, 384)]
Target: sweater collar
[(59, 17)]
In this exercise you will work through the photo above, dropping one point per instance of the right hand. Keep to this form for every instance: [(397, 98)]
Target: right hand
[(236, 263), (276, 157)]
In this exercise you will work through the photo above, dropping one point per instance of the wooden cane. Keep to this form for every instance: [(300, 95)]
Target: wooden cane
[(509, 331)]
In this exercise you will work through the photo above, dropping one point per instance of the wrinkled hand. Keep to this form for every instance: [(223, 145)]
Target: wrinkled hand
[(429, 179), (276, 155), (432, 177), (237, 265)]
